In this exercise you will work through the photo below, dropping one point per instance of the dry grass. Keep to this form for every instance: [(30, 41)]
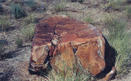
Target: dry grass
[(129, 12), (77, 73), (60, 6), (4, 23), (88, 19), (28, 32), (120, 40)]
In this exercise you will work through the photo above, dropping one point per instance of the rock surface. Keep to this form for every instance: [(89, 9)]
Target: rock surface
[(62, 42)]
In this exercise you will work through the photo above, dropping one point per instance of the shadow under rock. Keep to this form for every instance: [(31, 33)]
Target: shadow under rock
[(9, 55), (110, 59)]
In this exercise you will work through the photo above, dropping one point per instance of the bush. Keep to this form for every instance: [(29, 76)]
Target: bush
[(60, 7), (28, 32), (31, 18), (67, 74), (19, 42), (31, 4), (119, 39), (4, 23), (18, 11), (1, 49), (88, 20), (129, 12), (114, 4), (3, 43)]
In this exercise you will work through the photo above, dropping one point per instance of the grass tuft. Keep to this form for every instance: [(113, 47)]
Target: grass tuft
[(115, 4), (71, 74), (88, 19), (4, 23), (19, 42), (28, 32), (119, 39), (18, 11), (129, 12), (60, 7)]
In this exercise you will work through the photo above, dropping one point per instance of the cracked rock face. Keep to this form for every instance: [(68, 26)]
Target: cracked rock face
[(64, 42)]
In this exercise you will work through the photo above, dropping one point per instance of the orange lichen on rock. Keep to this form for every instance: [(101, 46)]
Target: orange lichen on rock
[(61, 41)]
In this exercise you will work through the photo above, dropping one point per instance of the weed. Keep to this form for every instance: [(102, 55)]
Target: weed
[(30, 19), (1, 49), (81, 1), (31, 4), (120, 41), (129, 12), (19, 42), (60, 7), (71, 74), (114, 4), (88, 19), (4, 23), (3, 43), (28, 32), (18, 11)]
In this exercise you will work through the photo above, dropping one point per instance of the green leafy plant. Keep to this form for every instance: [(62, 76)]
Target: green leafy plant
[(18, 11)]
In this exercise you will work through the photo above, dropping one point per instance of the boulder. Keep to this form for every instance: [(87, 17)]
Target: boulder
[(63, 43)]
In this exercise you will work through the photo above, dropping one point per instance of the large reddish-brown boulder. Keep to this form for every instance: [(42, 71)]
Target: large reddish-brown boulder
[(62, 41)]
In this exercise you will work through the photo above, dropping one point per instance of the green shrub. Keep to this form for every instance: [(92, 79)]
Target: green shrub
[(28, 32), (31, 4), (19, 42), (18, 11), (129, 12), (2, 48), (119, 39), (4, 23), (60, 7), (88, 20), (31, 18), (81, 1), (114, 4)]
